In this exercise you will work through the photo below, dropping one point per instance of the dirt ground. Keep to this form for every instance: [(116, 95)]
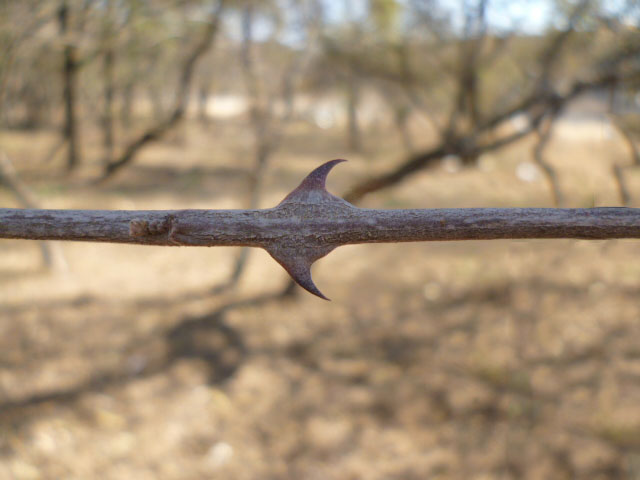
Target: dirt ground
[(467, 360)]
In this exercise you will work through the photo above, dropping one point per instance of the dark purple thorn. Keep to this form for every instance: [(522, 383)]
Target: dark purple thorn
[(297, 263), (315, 182)]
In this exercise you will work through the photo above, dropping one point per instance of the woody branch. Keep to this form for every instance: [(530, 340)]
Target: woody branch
[(348, 225)]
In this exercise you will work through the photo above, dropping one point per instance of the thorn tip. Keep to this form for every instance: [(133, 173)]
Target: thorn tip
[(298, 266), (315, 182)]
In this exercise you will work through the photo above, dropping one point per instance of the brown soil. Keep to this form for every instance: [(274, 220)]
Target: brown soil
[(469, 360)]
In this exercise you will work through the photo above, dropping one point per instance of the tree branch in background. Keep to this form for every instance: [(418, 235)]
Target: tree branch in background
[(108, 66), (534, 107), (70, 87), (543, 132), (181, 99), (618, 170), (52, 256), (470, 130), (310, 222), (465, 107)]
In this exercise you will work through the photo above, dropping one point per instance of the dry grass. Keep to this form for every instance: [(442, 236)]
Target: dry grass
[(504, 359)]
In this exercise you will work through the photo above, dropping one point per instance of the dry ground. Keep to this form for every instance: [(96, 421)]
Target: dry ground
[(470, 360)]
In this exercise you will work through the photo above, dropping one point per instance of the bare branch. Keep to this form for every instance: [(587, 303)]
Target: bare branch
[(70, 89), (181, 100), (536, 106), (618, 170), (544, 132), (310, 222)]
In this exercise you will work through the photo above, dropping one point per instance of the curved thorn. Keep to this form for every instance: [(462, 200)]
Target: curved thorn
[(318, 177), (314, 182), (299, 268), (303, 278)]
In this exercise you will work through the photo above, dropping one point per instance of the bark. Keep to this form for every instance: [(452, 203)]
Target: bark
[(310, 222), (346, 225)]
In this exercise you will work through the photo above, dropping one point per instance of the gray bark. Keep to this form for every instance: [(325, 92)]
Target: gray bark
[(329, 224)]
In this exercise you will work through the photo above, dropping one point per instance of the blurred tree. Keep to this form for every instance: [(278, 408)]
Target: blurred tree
[(181, 97), (385, 15), (108, 60), (70, 80), (551, 72)]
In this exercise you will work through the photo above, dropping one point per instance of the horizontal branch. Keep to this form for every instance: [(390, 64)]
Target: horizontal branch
[(351, 225), (310, 222)]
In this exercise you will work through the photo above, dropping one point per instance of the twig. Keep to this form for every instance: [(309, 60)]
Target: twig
[(310, 222)]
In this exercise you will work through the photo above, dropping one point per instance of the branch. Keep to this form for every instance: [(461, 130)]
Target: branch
[(537, 106), (310, 222), (544, 131), (618, 170)]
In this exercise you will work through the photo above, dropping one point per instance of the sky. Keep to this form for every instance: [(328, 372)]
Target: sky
[(527, 16)]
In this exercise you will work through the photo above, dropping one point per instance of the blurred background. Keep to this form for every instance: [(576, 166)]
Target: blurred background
[(444, 360)]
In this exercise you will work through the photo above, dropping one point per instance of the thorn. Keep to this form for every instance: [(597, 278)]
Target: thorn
[(299, 267), (302, 276), (297, 258), (313, 187)]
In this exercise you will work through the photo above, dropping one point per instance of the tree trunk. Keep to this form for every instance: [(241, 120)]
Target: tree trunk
[(69, 94)]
